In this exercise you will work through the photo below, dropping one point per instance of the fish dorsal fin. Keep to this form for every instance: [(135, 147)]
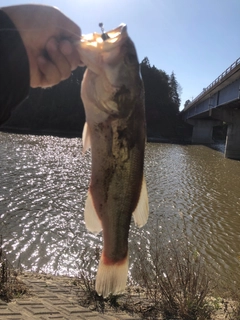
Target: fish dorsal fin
[(86, 139), (140, 214), (91, 218)]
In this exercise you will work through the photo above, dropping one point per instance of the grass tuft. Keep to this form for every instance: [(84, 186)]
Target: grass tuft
[(88, 296), (232, 306), (10, 286), (175, 279)]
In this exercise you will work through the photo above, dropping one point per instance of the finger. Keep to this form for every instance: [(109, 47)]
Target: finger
[(70, 53), (49, 73), (70, 30), (58, 59)]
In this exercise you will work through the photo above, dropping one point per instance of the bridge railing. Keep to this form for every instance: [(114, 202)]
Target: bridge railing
[(218, 79)]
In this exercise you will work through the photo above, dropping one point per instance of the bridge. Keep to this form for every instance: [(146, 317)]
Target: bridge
[(218, 103)]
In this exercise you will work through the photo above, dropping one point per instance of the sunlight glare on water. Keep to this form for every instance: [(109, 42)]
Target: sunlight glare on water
[(193, 191)]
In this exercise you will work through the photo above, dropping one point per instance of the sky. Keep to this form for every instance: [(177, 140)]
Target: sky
[(196, 39)]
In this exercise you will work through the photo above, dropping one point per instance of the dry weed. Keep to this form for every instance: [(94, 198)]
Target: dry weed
[(10, 286), (175, 279)]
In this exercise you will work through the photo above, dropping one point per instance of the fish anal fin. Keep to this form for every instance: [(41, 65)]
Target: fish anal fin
[(140, 214), (86, 139), (111, 278), (92, 221)]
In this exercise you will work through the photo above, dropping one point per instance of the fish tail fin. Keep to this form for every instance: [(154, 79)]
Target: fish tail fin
[(111, 277)]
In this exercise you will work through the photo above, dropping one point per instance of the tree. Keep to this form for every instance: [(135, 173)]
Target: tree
[(187, 103), (60, 109), (145, 63), (161, 110), (174, 90)]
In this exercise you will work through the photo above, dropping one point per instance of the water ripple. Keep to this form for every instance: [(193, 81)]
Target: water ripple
[(193, 191)]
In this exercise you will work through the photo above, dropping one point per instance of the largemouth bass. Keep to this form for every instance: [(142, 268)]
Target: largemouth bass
[(113, 97)]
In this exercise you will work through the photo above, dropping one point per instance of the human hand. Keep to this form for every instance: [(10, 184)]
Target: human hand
[(49, 37)]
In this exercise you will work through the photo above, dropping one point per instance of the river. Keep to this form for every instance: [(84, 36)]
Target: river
[(193, 191)]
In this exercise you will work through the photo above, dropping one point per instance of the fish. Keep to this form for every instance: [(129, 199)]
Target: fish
[(112, 92)]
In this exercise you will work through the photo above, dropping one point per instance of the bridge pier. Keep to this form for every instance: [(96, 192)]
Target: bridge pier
[(202, 130), (232, 117), (232, 146)]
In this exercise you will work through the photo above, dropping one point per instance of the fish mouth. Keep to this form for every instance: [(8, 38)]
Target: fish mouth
[(99, 50), (96, 39)]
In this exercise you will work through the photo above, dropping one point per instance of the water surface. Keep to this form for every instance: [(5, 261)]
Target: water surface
[(193, 191)]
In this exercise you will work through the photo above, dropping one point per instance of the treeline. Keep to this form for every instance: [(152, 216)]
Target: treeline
[(60, 109), (162, 101), (53, 110)]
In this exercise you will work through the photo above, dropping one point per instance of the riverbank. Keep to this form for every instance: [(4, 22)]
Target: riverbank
[(54, 133), (193, 195), (78, 134), (40, 296), (61, 297), (54, 297)]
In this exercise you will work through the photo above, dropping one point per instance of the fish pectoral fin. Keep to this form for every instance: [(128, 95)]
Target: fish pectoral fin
[(140, 214), (92, 221), (86, 139)]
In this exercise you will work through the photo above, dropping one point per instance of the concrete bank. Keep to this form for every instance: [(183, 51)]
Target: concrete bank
[(52, 298)]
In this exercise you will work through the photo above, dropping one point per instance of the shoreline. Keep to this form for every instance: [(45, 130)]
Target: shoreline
[(61, 297), (78, 134), (56, 133)]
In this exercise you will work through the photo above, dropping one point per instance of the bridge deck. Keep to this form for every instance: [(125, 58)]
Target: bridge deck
[(209, 97)]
